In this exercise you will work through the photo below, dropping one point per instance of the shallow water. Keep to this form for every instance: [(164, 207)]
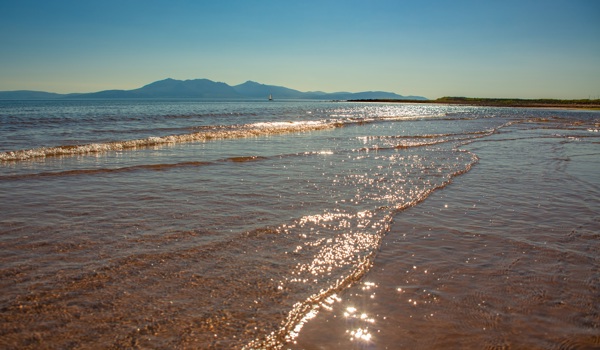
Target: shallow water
[(195, 224), (507, 257)]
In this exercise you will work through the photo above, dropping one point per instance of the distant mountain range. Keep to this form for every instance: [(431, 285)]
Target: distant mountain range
[(207, 89)]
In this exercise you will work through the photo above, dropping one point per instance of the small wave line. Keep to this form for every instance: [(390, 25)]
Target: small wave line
[(252, 130)]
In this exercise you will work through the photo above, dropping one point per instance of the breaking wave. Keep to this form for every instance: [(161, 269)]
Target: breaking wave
[(208, 134)]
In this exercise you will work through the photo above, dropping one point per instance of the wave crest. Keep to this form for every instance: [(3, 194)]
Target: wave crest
[(214, 133)]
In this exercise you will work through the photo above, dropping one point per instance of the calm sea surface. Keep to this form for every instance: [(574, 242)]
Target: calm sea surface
[(296, 224)]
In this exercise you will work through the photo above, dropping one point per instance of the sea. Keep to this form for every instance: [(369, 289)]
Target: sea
[(197, 224)]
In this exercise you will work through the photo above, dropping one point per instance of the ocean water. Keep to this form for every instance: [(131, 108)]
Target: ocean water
[(175, 224)]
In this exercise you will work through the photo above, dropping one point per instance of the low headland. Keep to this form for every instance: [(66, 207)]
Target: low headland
[(501, 102)]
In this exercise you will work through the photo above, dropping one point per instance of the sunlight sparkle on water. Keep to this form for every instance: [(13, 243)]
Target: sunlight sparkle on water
[(350, 311), (360, 334)]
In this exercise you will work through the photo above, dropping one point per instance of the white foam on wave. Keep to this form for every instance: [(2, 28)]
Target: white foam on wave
[(215, 133)]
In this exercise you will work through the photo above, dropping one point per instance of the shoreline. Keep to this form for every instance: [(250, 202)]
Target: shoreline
[(472, 268), (499, 102)]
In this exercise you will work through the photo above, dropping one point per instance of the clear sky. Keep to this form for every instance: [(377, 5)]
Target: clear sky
[(522, 48)]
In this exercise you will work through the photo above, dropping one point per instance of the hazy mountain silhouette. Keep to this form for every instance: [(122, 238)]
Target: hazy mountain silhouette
[(171, 88), (207, 89), (30, 95), (251, 89)]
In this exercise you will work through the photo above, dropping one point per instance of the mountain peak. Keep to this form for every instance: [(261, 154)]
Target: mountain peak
[(251, 82)]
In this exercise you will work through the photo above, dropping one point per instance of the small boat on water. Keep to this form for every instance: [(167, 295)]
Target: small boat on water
[(270, 97)]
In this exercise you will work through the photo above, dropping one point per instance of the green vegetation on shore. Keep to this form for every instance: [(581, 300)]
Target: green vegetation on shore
[(502, 102)]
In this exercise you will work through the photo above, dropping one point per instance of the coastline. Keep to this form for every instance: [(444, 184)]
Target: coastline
[(500, 102)]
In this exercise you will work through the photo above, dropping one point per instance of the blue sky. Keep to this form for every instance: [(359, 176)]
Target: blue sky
[(524, 48)]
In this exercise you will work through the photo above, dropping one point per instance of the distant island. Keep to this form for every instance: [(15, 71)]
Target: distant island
[(499, 102), (206, 89)]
